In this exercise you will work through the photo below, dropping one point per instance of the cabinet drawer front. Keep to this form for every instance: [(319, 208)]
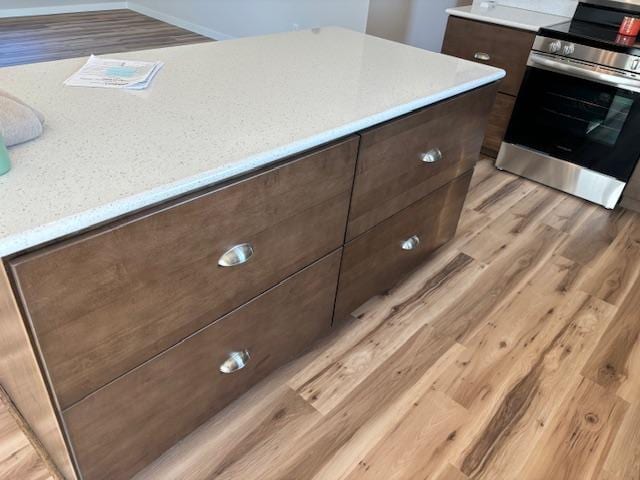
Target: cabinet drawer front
[(391, 173), (124, 426), (506, 48), (106, 302), (377, 260), (498, 122)]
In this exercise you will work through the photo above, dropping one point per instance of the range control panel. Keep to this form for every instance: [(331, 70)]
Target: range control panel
[(587, 54)]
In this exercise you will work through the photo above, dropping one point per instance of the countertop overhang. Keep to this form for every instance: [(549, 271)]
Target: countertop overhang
[(508, 16), (215, 111)]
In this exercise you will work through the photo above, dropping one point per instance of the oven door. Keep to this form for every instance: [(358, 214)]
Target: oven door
[(578, 115)]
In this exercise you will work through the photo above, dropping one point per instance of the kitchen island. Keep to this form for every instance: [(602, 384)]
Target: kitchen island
[(166, 249)]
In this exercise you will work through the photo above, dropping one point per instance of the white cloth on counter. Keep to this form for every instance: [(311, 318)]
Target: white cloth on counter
[(19, 122)]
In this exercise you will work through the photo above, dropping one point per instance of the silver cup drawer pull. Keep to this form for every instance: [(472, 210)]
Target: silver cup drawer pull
[(236, 256), (411, 243), (235, 361), (432, 156), (485, 57)]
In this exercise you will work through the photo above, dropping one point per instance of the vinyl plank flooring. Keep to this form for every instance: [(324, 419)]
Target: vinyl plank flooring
[(618, 268), (18, 457), (514, 353), (54, 37), (414, 449), (375, 433), (594, 236), (515, 265), (451, 473), (536, 372), (370, 399), (503, 357), (327, 389), (614, 364), (583, 430), (569, 214), (623, 459)]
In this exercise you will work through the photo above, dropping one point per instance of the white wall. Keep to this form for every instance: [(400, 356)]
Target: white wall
[(557, 7), (16, 8), (420, 23), (389, 19), (222, 19)]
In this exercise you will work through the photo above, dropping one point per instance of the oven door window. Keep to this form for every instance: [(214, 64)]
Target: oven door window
[(580, 121)]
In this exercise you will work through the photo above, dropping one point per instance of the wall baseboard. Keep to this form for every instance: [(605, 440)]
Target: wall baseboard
[(178, 22), (84, 7)]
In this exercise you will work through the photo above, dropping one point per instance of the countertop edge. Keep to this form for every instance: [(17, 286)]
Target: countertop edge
[(72, 224), (458, 12)]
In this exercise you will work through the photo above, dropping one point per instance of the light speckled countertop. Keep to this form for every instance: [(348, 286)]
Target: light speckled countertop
[(216, 110), (508, 16)]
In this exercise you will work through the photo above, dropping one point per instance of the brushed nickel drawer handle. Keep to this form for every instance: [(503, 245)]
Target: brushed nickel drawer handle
[(485, 57), (236, 361), (411, 243), (236, 256), (432, 156)]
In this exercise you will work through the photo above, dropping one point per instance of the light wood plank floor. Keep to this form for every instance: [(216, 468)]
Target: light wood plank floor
[(512, 354), (19, 460), (53, 37)]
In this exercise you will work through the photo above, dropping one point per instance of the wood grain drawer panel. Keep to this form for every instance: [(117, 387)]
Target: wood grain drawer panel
[(375, 261), (498, 123), (508, 48), (390, 174), (105, 302), (127, 424)]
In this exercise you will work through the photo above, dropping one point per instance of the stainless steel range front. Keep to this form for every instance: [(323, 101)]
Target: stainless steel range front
[(576, 123)]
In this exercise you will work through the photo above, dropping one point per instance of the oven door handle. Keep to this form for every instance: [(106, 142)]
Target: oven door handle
[(540, 61)]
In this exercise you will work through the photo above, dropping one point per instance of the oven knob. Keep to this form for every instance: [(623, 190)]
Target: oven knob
[(569, 48), (555, 46)]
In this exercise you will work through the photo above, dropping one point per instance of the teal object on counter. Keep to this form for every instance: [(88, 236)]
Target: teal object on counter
[(5, 163)]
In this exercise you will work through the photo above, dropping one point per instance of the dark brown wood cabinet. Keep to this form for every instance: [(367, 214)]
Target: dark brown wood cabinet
[(503, 47), (125, 328), (130, 422), (135, 288), (377, 260), (498, 122), (403, 160)]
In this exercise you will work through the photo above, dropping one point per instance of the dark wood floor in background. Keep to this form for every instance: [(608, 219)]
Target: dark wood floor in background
[(53, 37)]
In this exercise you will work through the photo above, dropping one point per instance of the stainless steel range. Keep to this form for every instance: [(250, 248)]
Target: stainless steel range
[(576, 122)]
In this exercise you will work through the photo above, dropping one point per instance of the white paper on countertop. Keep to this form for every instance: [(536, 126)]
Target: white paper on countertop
[(112, 73)]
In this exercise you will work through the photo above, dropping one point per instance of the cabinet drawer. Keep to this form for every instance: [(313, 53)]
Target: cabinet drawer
[(507, 48), (107, 301), (391, 173), (122, 427), (498, 123), (376, 261)]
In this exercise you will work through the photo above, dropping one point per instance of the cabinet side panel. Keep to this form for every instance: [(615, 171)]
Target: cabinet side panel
[(21, 377)]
